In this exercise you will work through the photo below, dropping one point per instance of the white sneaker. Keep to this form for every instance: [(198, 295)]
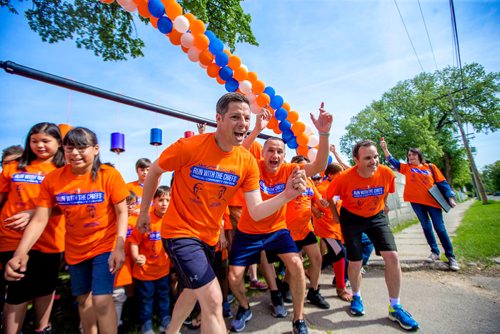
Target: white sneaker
[(453, 264), (432, 258)]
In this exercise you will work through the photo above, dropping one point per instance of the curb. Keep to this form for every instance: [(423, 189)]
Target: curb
[(413, 265)]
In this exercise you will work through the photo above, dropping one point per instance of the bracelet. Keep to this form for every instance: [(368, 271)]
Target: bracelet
[(324, 133)]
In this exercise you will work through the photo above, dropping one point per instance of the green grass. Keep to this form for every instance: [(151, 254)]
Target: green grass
[(398, 228), (478, 236)]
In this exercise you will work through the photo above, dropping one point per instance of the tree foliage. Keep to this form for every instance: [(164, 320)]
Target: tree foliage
[(491, 176), (418, 113), (110, 32)]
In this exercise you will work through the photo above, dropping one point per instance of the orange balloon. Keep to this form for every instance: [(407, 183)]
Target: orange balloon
[(165, 2), (298, 128), (293, 116), (220, 80), (273, 122), (226, 51), (302, 139), (184, 49), (191, 18), (263, 100), (201, 41), (143, 10), (213, 70), (175, 37), (240, 73), (107, 2), (286, 106), (197, 27), (173, 10), (302, 150), (252, 77), (206, 57), (258, 87), (154, 21), (64, 128), (234, 62), (277, 130)]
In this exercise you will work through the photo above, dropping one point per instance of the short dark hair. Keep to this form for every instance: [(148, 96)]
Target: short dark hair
[(226, 99), (273, 138), (333, 169), (12, 150), (143, 163), (162, 190), (359, 144), (417, 152), (49, 129), (79, 137), (132, 197), (300, 158)]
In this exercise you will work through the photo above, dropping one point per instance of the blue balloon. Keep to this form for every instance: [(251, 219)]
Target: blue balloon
[(292, 143), (216, 46), (226, 73), (210, 35), (221, 59), (330, 159), (287, 135), (156, 8), (270, 91), (284, 125), (281, 114), (276, 101), (231, 85), (165, 25)]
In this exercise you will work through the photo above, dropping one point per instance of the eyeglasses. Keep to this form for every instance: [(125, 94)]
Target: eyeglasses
[(316, 178), (81, 149)]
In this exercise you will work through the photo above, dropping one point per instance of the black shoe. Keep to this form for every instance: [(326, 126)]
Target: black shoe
[(284, 288), (315, 298), (300, 327)]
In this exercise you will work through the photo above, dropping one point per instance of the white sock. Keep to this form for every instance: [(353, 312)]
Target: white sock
[(394, 301)]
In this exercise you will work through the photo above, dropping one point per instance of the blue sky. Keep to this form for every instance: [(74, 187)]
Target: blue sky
[(345, 53)]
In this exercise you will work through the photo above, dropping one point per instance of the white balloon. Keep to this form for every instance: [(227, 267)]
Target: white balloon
[(308, 130), (245, 87), (244, 66), (187, 40), (131, 7), (312, 154), (181, 24), (313, 141), (194, 54), (255, 108), (203, 66)]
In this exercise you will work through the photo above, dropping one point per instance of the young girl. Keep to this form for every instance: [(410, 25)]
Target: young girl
[(19, 188), (152, 266), (92, 199)]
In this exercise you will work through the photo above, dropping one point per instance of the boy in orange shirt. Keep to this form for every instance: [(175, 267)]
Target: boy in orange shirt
[(142, 168), (152, 266), (363, 190), (209, 169)]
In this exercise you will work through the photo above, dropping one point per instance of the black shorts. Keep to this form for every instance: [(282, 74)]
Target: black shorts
[(40, 277), (192, 259), (376, 227), (310, 239)]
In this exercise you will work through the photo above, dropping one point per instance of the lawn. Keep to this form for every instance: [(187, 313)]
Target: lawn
[(478, 237)]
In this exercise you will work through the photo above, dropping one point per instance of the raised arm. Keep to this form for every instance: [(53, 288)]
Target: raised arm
[(261, 122), (323, 124), (388, 157), (338, 157)]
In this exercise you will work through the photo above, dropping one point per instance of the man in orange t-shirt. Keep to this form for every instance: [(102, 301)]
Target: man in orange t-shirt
[(363, 190), (209, 169)]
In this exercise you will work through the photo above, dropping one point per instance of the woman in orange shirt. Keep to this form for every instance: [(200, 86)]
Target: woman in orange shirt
[(92, 198), (19, 187)]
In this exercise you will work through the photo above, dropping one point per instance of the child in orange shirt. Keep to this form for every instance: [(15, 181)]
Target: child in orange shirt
[(152, 266), (92, 198), (142, 168), (19, 187)]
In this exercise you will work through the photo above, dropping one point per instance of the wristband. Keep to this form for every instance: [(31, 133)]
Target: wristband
[(324, 133)]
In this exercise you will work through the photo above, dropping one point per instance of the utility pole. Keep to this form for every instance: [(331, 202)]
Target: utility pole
[(475, 173)]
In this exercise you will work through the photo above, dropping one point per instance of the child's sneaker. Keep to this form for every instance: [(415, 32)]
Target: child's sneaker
[(402, 317), (243, 315), (357, 307), (432, 258)]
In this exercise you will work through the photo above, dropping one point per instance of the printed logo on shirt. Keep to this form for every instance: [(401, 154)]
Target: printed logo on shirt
[(309, 192), (80, 199), (129, 232), (420, 171), (28, 178), (155, 236), (207, 174), (272, 190), (362, 193)]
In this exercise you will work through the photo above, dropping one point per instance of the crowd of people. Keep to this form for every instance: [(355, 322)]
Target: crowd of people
[(232, 204)]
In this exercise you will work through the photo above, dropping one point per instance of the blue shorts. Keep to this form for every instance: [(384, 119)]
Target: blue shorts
[(246, 247), (92, 275), (192, 259)]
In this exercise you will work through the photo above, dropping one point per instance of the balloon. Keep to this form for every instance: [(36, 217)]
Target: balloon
[(226, 51), (312, 154), (206, 57), (231, 85), (313, 141), (154, 22), (277, 130), (284, 125), (213, 70), (226, 73), (308, 130), (286, 106), (234, 62), (216, 46), (175, 37), (173, 10), (181, 24), (302, 150), (221, 59), (245, 86), (131, 7), (298, 128), (201, 41), (258, 86), (252, 77), (220, 80), (190, 18), (287, 134), (197, 27), (293, 116), (156, 8), (210, 35), (107, 2), (270, 91), (255, 109), (142, 7), (165, 25), (302, 139), (280, 114), (277, 101), (273, 122), (194, 54), (240, 73), (292, 143), (187, 40), (262, 100), (184, 49)]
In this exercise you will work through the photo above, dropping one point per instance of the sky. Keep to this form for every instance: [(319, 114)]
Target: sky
[(343, 53)]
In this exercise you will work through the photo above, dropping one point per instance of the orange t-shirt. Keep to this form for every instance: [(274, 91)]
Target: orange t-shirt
[(239, 198), (88, 207), (270, 186), (150, 245), (325, 227), (418, 181), (137, 188), (256, 150), (364, 197), (124, 275), (22, 188), (298, 212), (206, 178)]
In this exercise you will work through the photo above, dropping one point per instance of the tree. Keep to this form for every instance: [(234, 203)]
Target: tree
[(417, 113), (110, 32), (491, 176)]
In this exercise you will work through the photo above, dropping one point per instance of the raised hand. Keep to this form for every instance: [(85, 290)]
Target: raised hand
[(324, 121)]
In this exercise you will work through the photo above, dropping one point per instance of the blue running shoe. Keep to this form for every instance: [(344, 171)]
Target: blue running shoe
[(402, 317), (300, 327), (357, 308), (243, 315), (279, 311), (226, 310)]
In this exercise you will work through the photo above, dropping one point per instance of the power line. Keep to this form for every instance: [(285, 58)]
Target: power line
[(455, 41), (409, 37), (427, 32)]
